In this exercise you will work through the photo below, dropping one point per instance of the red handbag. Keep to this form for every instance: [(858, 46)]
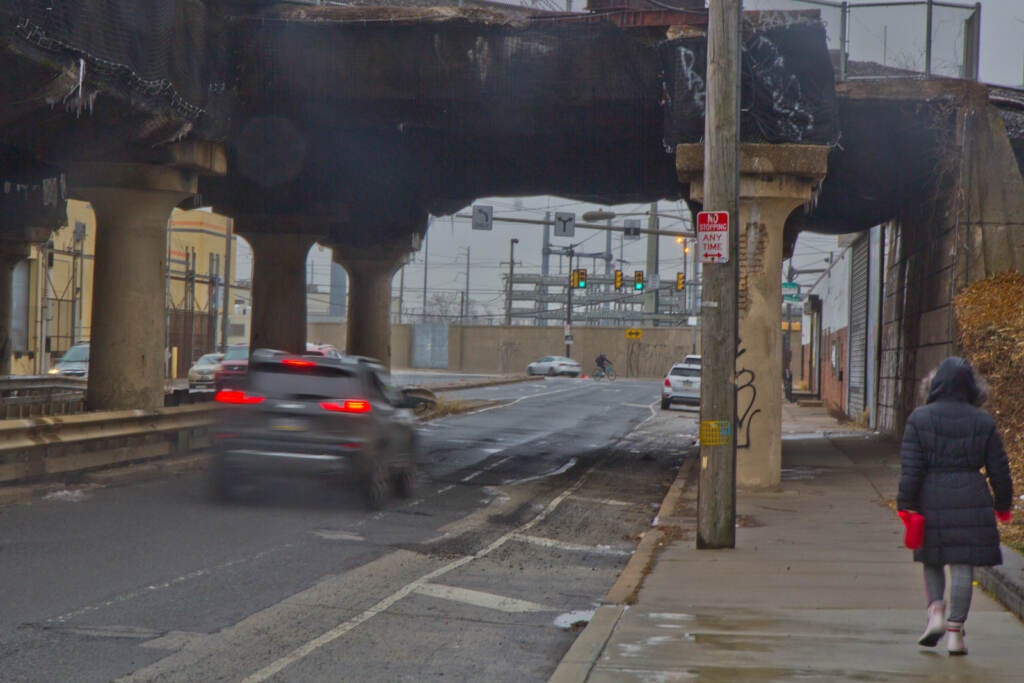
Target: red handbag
[(913, 525)]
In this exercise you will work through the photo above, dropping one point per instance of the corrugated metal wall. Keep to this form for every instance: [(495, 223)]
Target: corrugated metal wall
[(857, 380)]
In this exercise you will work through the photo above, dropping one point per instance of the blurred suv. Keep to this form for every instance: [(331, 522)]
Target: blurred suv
[(682, 383), (314, 415), (233, 366), (74, 362)]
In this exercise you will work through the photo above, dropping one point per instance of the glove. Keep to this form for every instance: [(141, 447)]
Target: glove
[(1004, 516)]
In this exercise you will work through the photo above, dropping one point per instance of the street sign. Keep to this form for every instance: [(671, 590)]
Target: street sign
[(713, 236), (634, 333), (791, 292), (565, 224), (631, 228), (483, 217)]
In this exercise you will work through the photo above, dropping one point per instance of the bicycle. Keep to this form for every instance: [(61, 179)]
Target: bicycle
[(604, 373)]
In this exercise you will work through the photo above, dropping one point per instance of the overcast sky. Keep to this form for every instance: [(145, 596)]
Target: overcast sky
[(892, 35)]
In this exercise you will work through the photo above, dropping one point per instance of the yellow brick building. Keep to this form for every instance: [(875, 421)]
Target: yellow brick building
[(53, 290)]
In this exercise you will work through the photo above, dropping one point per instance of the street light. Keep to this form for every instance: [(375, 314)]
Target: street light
[(511, 269)]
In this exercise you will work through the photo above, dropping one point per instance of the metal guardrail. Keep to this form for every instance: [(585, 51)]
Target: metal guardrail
[(24, 396), (40, 395), (48, 448)]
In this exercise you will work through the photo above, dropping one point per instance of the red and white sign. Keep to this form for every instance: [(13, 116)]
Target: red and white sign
[(713, 236)]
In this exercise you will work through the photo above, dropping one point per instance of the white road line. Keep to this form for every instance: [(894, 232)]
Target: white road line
[(523, 398), (481, 599), (603, 501), (312, 646), (474, 475), (178, 580), (575, 547)]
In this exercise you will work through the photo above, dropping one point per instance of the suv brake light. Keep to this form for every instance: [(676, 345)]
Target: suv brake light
[(667, 382), (298, 363), (235, 397), (347, 406)]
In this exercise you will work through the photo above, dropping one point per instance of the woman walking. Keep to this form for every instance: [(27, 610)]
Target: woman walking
[(946, 444)]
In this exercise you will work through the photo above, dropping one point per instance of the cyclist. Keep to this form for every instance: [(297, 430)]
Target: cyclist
[(602, 361)]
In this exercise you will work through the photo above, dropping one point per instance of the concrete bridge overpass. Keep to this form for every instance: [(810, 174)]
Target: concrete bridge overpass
[(348, 126)]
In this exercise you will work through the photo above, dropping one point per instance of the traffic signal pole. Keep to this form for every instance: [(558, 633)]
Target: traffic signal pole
[(568, 309), (716, 493)]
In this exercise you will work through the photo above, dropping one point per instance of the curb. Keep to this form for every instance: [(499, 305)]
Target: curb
[(1006, 582), (577, 663)]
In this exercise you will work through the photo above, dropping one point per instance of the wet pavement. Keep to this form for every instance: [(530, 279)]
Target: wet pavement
[(818, 587)]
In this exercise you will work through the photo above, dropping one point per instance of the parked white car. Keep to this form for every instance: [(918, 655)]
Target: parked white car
[(682, 383), (554, 365)]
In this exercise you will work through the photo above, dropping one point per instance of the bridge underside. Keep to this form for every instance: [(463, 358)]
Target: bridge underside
[(349, 125)]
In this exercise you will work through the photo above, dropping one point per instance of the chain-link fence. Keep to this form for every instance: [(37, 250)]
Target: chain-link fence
[(896, 38)]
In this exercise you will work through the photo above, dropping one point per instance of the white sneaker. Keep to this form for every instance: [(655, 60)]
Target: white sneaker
[(955, 638), (936, 624)]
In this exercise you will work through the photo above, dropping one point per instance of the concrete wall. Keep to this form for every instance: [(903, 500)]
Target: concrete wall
[(510, 349), (972, 227)]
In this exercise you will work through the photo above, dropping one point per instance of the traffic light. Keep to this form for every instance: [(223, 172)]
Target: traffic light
[(574, 279), (638, 280), (618, 279), (581, 278), (680, 281)]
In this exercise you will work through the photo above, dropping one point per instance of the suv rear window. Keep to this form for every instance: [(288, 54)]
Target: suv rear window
[(305, 383), (683, 371)]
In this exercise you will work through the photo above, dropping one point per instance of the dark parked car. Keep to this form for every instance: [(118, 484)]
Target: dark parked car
[(314, 415)]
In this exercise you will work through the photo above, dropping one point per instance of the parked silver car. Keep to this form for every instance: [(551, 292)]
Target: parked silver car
[(74, 362), (554, 365), (200, 375), (682, 383)]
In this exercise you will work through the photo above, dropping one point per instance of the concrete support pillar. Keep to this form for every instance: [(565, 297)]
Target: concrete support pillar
[(369, 300), (10, 255), (132, 203), (774, 180), (279, 290)]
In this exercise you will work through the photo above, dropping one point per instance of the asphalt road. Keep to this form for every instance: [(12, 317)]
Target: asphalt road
[(525, 514)]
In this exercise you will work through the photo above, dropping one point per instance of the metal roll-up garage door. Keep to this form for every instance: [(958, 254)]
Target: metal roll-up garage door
[(857, 368)]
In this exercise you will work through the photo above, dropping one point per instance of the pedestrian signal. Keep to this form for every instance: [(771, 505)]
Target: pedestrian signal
[(680, 281), (618, 279), (638, 280)]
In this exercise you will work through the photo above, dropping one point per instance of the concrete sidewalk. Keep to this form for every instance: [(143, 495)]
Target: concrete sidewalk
[(818, 588)]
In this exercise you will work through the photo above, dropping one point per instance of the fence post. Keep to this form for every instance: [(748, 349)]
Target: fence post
[(844, 11), (929, 7)]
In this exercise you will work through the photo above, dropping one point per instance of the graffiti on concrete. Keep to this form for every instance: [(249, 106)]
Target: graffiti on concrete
[(507, 350), (651, 360), (746, 399)]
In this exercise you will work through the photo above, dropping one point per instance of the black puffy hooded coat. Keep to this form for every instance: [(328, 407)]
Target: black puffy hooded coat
[(945, 445)]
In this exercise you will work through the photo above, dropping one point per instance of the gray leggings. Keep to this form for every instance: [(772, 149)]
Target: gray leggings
[(961, 581)]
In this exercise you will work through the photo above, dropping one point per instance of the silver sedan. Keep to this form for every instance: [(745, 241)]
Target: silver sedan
[(554, 365)]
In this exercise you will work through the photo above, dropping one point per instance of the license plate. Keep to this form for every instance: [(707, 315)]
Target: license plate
[(285, 424)]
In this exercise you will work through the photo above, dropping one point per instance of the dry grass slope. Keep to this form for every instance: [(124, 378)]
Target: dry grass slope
[(990, 316)]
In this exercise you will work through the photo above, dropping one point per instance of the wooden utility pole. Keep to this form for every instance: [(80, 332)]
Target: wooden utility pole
[(716, 494)]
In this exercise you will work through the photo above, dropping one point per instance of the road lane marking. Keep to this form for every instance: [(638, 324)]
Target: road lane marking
[(493, 601), (575, 547), (603, 501), (184, 578), (338, 631)]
